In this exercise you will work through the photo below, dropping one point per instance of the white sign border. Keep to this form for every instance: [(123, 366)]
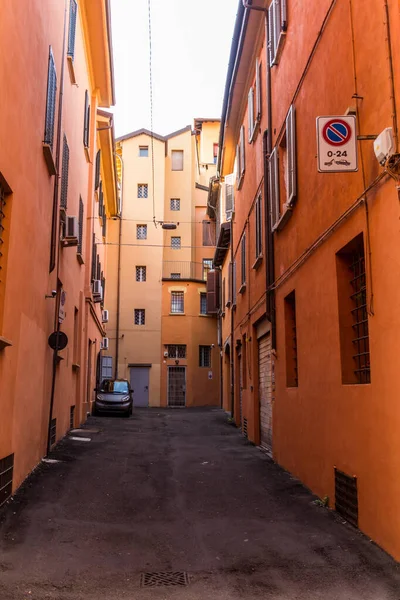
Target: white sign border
[(318, 148)]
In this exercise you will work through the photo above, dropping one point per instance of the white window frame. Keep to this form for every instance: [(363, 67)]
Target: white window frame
[(229, 193), (243, 263), (277, 27), (259, 240), (254, 104), (240, 159)]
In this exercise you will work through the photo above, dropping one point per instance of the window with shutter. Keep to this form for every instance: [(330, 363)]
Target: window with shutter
[(243, 261), (291, 157), (98, 267), (274, 188), (250, 114), (50, 102), (229, 197), (104, 222), (213, 278), (73, 9), (94, 252), (258, 90), (80, 236), (97, 173), (277, 26), (242, 152), (258, 227), (230, 268), (234, 284), (86, 122), (64, 175)]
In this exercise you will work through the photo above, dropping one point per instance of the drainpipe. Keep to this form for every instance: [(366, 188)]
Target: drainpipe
[(56, 229), (119, 269), (231, 357)]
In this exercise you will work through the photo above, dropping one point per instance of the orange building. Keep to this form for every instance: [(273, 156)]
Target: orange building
[(49, 124), (332, 249)]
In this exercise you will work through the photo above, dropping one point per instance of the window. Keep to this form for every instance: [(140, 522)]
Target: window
[(243, 260), (240, 159), (215, 153), (73, 8), (175, 204), (223, 303), (143, 151), (259, 244), (141, 232), (353, 314), (97, 171), (291, 340), (175, 242), (277, 26), (234, 286), (142, 190), (229, 197), (86, 121), (141, 274), (207, 266), (80, 234), (50, 102), (282, 174), (176, 351), (64, 175), (203, 303), (204, 356), (176, 302), (139, 316), (177, 160), (254, 104), (175, 275), (209, 233)]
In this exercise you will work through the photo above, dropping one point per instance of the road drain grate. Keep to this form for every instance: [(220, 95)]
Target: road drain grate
[(164, 579)]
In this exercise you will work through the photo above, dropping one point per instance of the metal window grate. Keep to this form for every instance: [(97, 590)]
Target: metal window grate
[(53, 432), (141, 274), (360, 317), (207, 266), (6, 477), (164, 579), (175, 242), (204, 356), (346, 497), (175, 275), (72, 417), (176, 351), (141, 232), (177, 302), (203, 303), (140, 314), (142, 190), (175, 204)]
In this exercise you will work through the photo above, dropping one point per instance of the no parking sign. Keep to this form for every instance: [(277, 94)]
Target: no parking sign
[(337, 144)]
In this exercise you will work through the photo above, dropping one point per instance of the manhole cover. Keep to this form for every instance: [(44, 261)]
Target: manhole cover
[(164, 579)]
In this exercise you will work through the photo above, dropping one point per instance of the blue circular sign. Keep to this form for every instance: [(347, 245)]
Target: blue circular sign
[(336, 132)]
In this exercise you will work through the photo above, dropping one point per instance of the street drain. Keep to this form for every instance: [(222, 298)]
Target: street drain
[(164, 579)]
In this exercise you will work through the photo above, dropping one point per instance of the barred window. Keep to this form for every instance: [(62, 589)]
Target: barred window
[(203, 303), (142, 190), (176, 351), (175, 275), (177, 302), (140, 273), (175, 204), (204, 356), (141, 232), (175, 242), (207, 266), (139, 316)]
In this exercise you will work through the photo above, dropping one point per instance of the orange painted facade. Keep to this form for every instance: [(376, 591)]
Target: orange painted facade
[(333, 377), (36, 218)]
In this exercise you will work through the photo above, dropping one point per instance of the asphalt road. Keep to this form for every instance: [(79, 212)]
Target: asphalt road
[(178, 491)]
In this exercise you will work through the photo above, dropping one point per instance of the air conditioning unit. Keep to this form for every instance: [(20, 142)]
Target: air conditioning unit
[(71, 234), (166, 354), (104, 316), (384, 146), (104, 343), (97, 288)]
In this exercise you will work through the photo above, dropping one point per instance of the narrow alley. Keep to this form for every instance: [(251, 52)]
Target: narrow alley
[(171, 491)]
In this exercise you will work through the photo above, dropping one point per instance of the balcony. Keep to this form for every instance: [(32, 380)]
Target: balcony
[(184, 270)]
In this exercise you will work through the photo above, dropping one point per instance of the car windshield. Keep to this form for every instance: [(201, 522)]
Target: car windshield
[(111, 386)]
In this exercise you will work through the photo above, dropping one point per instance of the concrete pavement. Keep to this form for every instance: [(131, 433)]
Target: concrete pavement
[(179, 491)]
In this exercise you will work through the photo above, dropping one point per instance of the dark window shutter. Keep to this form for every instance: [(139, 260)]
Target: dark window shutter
[(73, 9), (271, 36), (104, 224), (80, 239), (212, 292), (258, 90), (98, 266), (103, 287), (86, 123), (50, 102), (274, 187), (94, 251), (64, 175), (291, 154), (97, 173)]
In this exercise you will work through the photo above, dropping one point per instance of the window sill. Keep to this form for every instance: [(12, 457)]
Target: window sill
[(242, 288), (171, 314), (79, 258), (204, 315), (4, 342), (284, 218), (71, 69), (87, 153), (257, 262), (48, 157)]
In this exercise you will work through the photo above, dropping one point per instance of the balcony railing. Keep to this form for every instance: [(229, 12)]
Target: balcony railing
[(175, 270)]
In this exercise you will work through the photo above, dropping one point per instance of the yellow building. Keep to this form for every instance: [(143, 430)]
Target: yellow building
[(160, 336)]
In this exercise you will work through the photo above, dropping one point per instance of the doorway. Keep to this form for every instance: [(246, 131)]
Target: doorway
[(176, 386), (140, 377)]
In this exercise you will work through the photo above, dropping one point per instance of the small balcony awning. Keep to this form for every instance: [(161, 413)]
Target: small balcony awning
[(223, 242)]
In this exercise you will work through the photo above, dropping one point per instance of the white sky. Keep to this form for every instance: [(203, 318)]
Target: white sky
[(191, 42)]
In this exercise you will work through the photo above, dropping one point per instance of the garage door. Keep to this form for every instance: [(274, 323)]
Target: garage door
[(265, 390)]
